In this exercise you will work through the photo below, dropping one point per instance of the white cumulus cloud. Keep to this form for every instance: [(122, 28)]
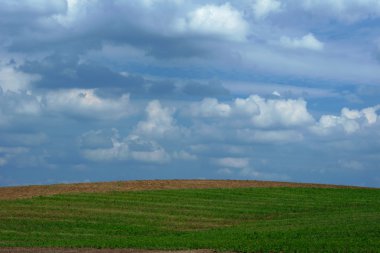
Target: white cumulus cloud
[(220, 20), (261, 112), (349, 121), (275, 112), (210, 107), (262, 8), (159, 122), (309, 41)]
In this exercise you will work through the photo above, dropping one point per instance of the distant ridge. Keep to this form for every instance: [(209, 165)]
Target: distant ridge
[(16, 192)]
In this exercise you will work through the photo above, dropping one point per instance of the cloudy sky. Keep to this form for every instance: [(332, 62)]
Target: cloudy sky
[(96, 90)]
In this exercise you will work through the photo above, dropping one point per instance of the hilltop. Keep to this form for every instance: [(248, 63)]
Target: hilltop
[(46, 190)]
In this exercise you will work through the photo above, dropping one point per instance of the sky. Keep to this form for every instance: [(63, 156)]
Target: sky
[(96, 90)]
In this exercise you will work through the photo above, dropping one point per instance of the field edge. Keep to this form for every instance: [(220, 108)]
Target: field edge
[(19, 192)]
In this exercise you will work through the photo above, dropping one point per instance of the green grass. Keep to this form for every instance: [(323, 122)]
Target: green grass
[(245, 220)]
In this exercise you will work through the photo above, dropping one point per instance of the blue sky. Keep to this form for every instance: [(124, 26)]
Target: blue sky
[(95, 90)]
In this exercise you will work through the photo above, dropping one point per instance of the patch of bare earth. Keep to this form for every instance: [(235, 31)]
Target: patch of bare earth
[(57, 250), (46, 190)]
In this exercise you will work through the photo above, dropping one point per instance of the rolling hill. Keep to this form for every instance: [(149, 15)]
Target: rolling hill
[(240, 216)]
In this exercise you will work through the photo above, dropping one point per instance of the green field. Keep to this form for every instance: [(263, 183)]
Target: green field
[(244, 220)]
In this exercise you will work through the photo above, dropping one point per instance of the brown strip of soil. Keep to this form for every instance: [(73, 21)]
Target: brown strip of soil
[(46, 190)]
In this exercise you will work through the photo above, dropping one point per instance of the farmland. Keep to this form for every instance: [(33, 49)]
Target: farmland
[(249, 219)]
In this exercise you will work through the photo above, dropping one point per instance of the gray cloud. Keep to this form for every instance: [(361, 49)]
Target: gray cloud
[(59, 71), (66, 71), (78, 28)]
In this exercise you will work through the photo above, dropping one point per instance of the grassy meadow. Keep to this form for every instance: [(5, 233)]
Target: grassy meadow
[(242, 219)]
